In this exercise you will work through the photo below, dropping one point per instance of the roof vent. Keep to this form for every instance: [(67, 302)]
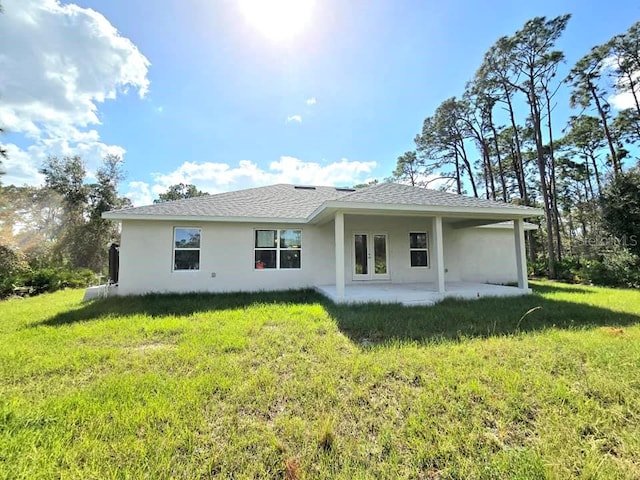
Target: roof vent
[(345, 189), (303, 187)]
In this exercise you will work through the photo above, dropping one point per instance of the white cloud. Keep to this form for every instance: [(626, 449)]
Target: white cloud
[(624, 99), (139, 193), (221, 177), (19, 168), (58, 63), (294, 118), (311, 101)]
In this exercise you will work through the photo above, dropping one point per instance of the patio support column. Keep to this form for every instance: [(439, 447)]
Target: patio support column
[(339, 238), (521, 259), (439, 253)]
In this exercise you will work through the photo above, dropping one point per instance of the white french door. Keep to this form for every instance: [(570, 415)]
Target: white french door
[(370, 256)]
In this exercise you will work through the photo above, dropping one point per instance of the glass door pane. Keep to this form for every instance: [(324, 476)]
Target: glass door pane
[(380, 254), (361, 254)]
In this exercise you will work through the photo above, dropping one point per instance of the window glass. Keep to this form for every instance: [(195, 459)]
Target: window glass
[(265, 238), (290, 238), (187, 238), (361, 254), (418, 249), (279, 249), (265, 259), (186, 248), (418, 258), (187, 260), (290, 259), (418, 240), (380, 253)]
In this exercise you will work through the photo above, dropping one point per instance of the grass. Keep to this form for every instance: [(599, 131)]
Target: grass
[(288, 385)]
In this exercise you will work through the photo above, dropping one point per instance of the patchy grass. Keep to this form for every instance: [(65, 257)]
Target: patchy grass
[(288, 385)]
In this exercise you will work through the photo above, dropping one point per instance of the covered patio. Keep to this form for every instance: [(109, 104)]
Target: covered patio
[(417, 293), (437, 287)]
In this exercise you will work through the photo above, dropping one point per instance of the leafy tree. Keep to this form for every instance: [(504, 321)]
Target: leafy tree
[(409, 168), (627, 127), (621, 208), (31, 218), (368, 184), (586, 140), (534, 64), (478, 116), (585, 78), (12, 262), (66, 176), (431, 158), (84, 240), (493, 80), (625, 50), (565, 176), (516, 171), (179, 192), (443, 137), (98, 233)]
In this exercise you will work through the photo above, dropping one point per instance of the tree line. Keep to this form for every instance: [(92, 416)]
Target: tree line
[(54, 235), (498, 138)]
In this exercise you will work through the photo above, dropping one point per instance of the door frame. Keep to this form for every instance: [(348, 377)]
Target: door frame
[(371, 275)]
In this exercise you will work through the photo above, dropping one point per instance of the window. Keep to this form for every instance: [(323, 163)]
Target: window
[(418, 249), (186, 249), (279, 249)]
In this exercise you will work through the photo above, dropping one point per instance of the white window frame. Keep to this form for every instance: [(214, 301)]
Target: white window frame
[(426, 249), (277, 248), (174, 248)]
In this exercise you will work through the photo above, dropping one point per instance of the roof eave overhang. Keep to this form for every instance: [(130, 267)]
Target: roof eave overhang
[(197, 218), (326, 211)]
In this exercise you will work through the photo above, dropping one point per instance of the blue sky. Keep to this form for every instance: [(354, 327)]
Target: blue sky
[(224, 106)]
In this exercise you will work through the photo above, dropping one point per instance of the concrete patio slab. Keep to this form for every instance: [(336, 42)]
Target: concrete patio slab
[(417, 293)]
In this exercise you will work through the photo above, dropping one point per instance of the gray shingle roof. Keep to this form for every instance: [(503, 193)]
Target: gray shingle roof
[(274, 201), (285, 201), (398, 194)]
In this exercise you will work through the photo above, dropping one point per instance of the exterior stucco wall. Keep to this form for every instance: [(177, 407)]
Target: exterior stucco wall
[(397, 230), (226, 249), (471, 254), (484, 255)]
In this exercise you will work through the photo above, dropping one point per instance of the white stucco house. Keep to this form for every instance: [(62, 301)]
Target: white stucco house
[(388, 242)]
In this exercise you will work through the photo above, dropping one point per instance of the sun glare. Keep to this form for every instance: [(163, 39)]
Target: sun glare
[(278, 19)]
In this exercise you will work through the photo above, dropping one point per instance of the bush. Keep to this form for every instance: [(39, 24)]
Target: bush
[(50, 279), (567, 269), (615, 268), (621, 208), (34, 282), (618, 268), (570, 269), (539, 267), (12, 262)]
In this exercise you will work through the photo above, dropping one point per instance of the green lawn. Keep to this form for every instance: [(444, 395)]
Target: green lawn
[(289, 385)]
